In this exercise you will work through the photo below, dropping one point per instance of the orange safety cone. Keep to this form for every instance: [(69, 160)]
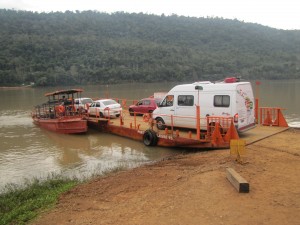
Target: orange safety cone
[(268, 119), (280, 120), (216, 136), (231, 133)]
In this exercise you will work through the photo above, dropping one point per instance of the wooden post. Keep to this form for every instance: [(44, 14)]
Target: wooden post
[(240, 184)]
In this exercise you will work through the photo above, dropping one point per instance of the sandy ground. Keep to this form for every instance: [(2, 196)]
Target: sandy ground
[(193, 189)]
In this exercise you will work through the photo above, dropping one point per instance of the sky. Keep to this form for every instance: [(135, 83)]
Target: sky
[(280, 14)]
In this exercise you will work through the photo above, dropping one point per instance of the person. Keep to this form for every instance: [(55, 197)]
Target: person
[(170, 99)]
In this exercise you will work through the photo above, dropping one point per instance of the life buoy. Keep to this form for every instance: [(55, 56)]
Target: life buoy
[(146, 117), (60, 109), (150, 138)]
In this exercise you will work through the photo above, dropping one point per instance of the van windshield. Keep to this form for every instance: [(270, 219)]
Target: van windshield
[(168, 101)]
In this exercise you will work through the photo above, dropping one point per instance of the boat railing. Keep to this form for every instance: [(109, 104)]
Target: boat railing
[(54, 110)]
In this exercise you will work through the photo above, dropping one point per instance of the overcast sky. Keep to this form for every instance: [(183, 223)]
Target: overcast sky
[(281, 14)]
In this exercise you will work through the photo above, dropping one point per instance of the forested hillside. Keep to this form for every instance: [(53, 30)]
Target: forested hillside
[(92, 47)]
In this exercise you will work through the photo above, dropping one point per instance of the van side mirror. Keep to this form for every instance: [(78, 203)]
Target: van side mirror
[(199, 88)]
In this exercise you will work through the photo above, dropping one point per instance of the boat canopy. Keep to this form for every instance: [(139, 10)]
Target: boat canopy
[(62, 92)]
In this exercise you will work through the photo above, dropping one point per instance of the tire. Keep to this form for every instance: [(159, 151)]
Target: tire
[(150, 138), (101, 115), (131, 113), (160, 124)]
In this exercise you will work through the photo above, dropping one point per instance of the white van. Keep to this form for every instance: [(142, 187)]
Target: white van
[(229, 98)]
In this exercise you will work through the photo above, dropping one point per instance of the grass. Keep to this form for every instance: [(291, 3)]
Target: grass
[(19, 206)]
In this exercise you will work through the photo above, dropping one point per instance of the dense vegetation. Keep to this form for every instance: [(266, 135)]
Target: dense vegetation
[(92, 47)]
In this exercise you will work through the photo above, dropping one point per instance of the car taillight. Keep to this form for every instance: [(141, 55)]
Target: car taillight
[(236, 118)]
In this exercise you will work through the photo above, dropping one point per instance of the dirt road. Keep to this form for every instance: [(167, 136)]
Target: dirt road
[(193, 189)]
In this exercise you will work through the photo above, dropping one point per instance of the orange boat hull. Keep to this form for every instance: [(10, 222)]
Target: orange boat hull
[(63, 125)]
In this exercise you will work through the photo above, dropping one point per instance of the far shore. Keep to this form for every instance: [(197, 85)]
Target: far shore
[(17, 87)]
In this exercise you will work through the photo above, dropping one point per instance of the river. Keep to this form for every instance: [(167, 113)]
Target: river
[(28, 152)]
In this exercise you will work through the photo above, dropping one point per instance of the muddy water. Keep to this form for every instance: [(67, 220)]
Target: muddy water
[(28, 152)]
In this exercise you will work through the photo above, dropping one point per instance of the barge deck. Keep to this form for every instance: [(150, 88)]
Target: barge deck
[(136, 128)]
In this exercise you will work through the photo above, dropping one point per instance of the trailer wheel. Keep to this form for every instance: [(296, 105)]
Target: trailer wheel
[(150, 138), (160, 124)]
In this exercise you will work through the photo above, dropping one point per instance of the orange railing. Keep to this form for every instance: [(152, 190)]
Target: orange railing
[(212, 128), (272, 116)]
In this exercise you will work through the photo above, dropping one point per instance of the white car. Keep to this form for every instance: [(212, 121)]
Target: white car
[(105, 108), (83, 103)]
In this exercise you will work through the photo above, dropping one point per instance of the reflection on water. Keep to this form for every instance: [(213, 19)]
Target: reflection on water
[(27, 152)]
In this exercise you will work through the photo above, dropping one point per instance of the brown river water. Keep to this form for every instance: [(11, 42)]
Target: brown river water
[(28, 152)]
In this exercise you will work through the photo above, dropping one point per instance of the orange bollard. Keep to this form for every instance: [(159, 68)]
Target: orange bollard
[(190, 134)]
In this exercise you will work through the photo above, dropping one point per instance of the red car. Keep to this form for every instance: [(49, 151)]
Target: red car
[(145, 105)]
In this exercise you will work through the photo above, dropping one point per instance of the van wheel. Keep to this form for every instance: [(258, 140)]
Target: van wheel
[(150, 138), (101, 115), (131, 113), (160, 124)]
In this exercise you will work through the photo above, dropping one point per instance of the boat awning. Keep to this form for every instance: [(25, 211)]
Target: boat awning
[(62, 92)]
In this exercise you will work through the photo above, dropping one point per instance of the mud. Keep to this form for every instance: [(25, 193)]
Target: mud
[(193, 189)]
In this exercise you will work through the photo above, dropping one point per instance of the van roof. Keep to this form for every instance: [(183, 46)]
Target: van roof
[(207, 85)]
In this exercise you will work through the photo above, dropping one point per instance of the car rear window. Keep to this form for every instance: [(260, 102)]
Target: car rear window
[(85, 101), (109, 102)]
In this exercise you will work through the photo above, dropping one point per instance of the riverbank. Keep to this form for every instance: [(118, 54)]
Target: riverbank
[(193, 189), (17, 87)]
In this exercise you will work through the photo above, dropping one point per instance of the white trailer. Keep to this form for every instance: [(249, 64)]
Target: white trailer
[(229, 98)]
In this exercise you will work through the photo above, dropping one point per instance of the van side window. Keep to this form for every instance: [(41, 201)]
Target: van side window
[(221, 100), (168, 101), (185, 100)]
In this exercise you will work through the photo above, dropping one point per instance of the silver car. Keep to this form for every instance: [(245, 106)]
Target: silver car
[(105, 108)]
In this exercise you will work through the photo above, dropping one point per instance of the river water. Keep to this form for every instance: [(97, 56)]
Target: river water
[(28, 152)]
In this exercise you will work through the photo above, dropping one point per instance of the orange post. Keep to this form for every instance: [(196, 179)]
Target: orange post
[(121, 120), (172, 124), (257, 100), (198, 121), (134, 119), (256, 110), (190, 134), (124, 103)]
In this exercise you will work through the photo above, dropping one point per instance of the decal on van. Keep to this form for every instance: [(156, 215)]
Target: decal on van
[(248, 102)]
